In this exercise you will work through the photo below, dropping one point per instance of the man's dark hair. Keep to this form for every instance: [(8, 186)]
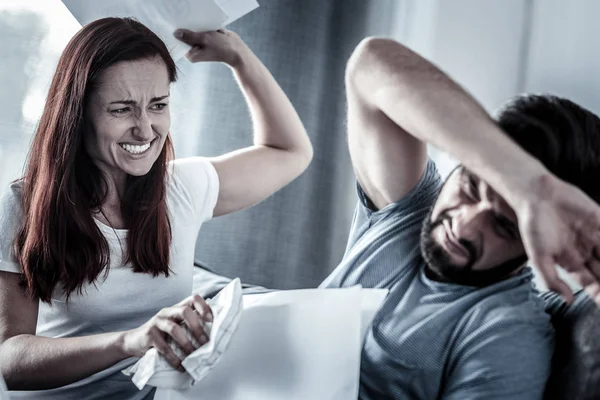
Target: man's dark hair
[(564, 136)]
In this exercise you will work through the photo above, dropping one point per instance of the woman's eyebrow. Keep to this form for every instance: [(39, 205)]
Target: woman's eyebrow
[(159, 98)]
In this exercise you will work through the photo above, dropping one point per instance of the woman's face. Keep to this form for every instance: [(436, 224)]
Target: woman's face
[(128, 117)]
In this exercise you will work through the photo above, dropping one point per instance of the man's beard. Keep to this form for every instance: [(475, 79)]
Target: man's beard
[(439, 263)]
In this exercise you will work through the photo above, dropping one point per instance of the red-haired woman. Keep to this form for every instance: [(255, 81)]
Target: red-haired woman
[(97, 239)]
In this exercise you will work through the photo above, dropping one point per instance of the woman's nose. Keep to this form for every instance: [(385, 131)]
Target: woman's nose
[(143, 128)]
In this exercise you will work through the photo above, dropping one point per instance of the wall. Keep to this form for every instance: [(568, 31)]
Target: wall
[(498, 49)]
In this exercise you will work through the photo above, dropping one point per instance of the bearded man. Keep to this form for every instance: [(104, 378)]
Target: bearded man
[(463, 319)]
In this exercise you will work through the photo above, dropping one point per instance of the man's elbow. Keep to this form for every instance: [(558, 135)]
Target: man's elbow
[(359, 57), (369, 56)]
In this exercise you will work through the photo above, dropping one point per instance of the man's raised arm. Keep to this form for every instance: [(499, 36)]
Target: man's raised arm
[(398, 101)]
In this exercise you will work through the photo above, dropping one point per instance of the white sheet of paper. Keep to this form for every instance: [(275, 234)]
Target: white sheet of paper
[(293, 345), (236, 9), (161, 16)]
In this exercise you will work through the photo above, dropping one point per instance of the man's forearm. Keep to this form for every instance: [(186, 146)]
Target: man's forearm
[(427, 104)]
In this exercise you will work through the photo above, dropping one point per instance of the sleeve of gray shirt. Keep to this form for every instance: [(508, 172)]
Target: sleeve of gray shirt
[(384, 243)]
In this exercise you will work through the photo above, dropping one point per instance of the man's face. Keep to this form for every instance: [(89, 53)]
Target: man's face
[(471, 235)]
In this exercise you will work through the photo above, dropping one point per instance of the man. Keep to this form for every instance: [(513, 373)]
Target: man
[(462, 319)]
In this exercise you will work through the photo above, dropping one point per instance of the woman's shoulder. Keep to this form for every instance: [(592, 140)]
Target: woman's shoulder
[(193, 185), (191, 171), (189, 163)]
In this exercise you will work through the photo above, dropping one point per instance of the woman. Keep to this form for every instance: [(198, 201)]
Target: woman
[(97, 240)]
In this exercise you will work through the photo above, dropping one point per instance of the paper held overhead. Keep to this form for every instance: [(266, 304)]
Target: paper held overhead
[(165, 16), (236, 9)]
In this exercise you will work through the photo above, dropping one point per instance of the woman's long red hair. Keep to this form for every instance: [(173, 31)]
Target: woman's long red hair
[(58, 241)]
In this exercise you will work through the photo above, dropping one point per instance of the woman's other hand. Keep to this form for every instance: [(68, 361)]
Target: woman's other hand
[(165, 323), (281, 148), (222, 46)]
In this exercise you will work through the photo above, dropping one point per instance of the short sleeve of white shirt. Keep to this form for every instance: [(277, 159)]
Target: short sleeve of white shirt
[(194, 188), (10, 219), (192, 192)]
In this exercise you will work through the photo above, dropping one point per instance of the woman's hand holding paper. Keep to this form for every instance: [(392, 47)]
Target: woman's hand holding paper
[(192, 311)]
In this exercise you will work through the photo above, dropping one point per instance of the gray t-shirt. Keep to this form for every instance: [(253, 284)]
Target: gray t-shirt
[(433, 340)]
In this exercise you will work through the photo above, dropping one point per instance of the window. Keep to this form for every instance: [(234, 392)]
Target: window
[(34, 33)]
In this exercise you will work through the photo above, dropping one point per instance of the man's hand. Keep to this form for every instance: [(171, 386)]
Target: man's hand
[(560, 225)]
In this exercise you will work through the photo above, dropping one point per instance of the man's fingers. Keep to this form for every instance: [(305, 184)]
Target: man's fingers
[(549, 273), (584, 277), (593, 266), (594, 292), (559, 286), (594, 258)]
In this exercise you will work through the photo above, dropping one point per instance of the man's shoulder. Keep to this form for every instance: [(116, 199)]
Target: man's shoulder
[(421, 195), (502, 349), (516, 308)]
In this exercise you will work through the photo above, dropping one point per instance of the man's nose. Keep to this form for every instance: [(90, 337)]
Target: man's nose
[(469, 223)]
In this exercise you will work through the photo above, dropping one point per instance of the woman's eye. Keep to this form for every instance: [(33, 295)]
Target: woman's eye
[(120, 111), (158, 106)]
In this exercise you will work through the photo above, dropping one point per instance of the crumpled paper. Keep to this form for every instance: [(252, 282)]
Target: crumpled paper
[(154, 370)]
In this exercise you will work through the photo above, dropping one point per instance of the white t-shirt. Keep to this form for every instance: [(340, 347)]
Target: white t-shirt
[(124, 300)]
